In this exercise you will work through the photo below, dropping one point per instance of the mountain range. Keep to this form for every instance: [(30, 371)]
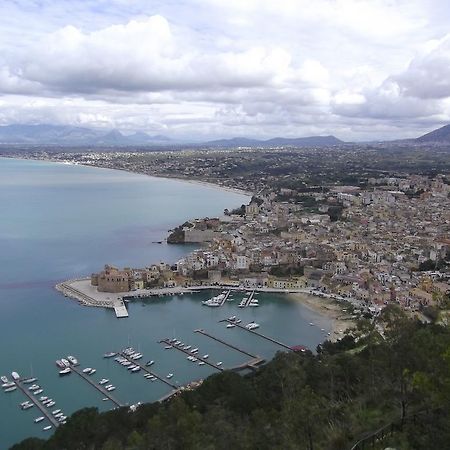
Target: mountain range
[(82, 136)]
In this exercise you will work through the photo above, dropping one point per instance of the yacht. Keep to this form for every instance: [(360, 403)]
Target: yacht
[(4, 379), (56, 411), (39, 391), (43, 398), (231, 325), (205, 356), (238, 321), (137, 356), (232, 318), (188, 347), (65, 362), (52, 403), (149, 363), (219, 363), (48, 427), (87, 370), (201, 363), (169, 376), (109, 355), (29, 380), (194, 350), (28, 406), (252, 326), (11, 389), (24, 403), (15, 375), (33, 387), (60, 364), (39, 419), (65, 371), (92, 371), (103, 381), (8, 385), (126, 363), (111, 388), (73, 360), (133, 366), (136, 369), (108, 386), (167, 347), (57, 416)]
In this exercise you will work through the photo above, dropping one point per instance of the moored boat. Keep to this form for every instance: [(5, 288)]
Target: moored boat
[(65, 371)]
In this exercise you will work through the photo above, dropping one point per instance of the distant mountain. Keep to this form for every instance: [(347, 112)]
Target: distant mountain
[(441, 135), (311, 141), (69, 136)]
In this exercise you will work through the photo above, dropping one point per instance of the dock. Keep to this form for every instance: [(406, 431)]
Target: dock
[(97, 386), (119, 308), (252, 365), (188, 352), (225, 298), (45, 412), (201, 331), (249, 299), (268, 338), (145, 369)]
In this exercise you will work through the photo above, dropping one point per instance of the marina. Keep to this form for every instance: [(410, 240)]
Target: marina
[(46, 412), (146, 369), (189, 353), (100, 388)]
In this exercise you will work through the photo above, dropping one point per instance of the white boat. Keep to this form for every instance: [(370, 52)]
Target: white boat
[(205, 356), (136, 369), (65, 362), (33, 387), (169, 376), (149, 363), (231, 325), (65, 371), (29, 380), (60, 364), (219, 363), (103, 381), (109, 355), (15, 375), (252, 326), (56, 411), (24, 403), (11, 389), (201, 363), (194, 350), (138, 356), (132, 367), (43, 398), (57, 416), (167, 347), (39, 419), (187, 347), (92, 372), (111, 388), (9, 384), (48, 427), (105, 399), (108, 386), (39, 391), (232, 318), (49, 405), (73, 360), (4, 379), (87, 370), (28, 406), (126, 363)]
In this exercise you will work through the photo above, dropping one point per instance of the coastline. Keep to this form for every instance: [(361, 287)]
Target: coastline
[(329, 309), (185, 180)]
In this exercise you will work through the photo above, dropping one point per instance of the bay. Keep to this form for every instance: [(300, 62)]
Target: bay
[(62, 221)]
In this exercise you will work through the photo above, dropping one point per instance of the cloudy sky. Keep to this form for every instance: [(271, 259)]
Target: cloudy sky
[(200, 69)]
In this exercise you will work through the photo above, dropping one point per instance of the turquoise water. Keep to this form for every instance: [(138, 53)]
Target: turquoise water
[(62, 221)]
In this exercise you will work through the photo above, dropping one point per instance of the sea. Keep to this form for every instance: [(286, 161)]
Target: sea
[(63, 221)]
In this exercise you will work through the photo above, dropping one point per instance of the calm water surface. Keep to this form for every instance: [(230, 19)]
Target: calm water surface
[(61, 221)]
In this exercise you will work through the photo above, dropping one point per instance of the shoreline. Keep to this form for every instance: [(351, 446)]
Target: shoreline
[(185, 180), (340, 322)]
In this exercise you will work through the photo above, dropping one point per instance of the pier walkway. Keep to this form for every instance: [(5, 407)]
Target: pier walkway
[(97, 386), (120, 309), (188, 352), (45, 412), (145, 369), (225, 298), (249, 299), (201, 331), (252, 364), (258, 334)]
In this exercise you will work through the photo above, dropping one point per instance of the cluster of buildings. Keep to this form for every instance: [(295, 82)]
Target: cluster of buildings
[(389, 244)]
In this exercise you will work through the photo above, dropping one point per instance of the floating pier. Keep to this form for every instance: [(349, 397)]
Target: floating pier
[(38, 404), (145, 369), (201, 331), (188, 352), (225, 298), (249, 299), (97, 386), (268, 338)]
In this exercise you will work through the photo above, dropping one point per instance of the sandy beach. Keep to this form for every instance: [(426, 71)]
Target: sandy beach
[(328, 308)]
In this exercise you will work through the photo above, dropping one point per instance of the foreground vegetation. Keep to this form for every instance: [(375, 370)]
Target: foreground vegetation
[(297, 401)]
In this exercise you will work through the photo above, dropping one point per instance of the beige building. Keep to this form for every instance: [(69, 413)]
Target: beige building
[(111, 280)]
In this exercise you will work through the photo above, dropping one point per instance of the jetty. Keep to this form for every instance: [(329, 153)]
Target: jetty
[(145, 369), (225, 298), (189, 353), (120, 309), (97, 386), (201, 331), (268, 338), (249, 299), (45, 412)]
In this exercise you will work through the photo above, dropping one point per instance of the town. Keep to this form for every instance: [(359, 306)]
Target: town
[(386, 243)]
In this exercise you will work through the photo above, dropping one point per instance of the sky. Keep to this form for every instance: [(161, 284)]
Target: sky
[(205, 69)]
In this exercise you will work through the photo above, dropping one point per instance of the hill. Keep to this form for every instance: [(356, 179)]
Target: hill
[(72, 136), (441, 135), (310, 141)]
